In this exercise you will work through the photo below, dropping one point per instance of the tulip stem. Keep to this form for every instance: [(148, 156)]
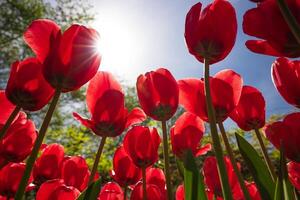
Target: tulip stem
[(9, 121), (233, 162), (166, 159), (290, 19), (215, 137), (37, 145), (97, 159), (144, 183), (125, 191), (265, 154)]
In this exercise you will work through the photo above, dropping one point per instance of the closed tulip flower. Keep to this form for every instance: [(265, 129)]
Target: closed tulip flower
[(285, 74), (47, 166), (250, 112), (19, 139), (6, 107), (186, 135), (10, 177), (210, 33), (26, 86), (56, 190), (111, 191), (158, 94), (226, 87), (180, 192), (124, 172), (153, 192), (294, 173), (75, 172), (286, 133), (70, 59), (275, 39), (106, 103), (143, 154)]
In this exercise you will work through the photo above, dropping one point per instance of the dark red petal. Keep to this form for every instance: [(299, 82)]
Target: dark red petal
[(262, 47), (111, 191), (6, 107), (136, 116), (39, 35)]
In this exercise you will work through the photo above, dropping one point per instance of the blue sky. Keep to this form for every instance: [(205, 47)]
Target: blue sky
[(143, 35)]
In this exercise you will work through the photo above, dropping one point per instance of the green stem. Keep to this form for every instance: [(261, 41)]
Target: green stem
[(214, 134), (125, 192), (290, 19), (37, 145), (265, 154), (166, 159), (233, 162), (144, 183), (9, 121), (96, 162)]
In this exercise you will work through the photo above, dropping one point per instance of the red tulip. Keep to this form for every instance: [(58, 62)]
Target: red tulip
[(180, 192), (26, 86), (10, 177), (70, 59), (186, 134), (211, 32), (6, 107), (153, 192), (276, 39), (124, 170), (143, 154), (47, 166), (18, 140), (158, 94), (156, 177), (294, 174), (111, 191), (75, 172), (226, 88), (285, 74), (56, 190), (286, 132), (250, 112), (106, 103), (211, 176)]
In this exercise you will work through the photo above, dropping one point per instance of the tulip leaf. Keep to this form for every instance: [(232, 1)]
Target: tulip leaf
[(288, 192), (278, 189), (193, 180), (92, 192), (258, 169)]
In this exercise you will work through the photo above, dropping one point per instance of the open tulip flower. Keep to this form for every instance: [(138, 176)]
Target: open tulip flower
[(186, 135), (124, 172), (286, 78), (158, 94), (10, 177), (108, 119), (19, 139), (143, 154), (294, 173), (210, 33), (69, 59), (6, 107), (226, 87), (250, 112), (276, 39), (26, 86), (286, 133), (111, 191), (56, 190), (48, 165)]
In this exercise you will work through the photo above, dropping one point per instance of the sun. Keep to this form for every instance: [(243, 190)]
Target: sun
[(118, 45)]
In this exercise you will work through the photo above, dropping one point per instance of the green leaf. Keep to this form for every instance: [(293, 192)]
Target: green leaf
[(287, 187), (193, 180), (278, 189), (92, 192), (258, 169)]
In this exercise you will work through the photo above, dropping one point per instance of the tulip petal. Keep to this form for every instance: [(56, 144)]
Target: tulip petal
[(136, 116)]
